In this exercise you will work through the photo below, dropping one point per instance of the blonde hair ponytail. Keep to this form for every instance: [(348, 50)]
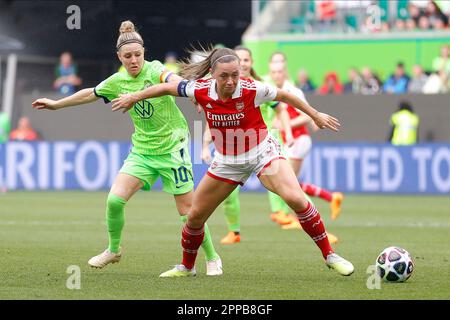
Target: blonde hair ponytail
[(128, 34)]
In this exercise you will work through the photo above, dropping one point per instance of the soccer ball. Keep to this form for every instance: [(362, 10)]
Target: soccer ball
[(394, 264)]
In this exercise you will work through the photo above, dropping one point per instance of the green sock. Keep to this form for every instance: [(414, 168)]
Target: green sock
[(277, 203), (207, 244), (232, 210), (115, 220)]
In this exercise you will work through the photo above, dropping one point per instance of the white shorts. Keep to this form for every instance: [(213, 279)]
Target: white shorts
[(300, 149), (237, 169)]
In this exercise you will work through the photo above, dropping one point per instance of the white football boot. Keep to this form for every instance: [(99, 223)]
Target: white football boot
[(214, 267), (104, 258)]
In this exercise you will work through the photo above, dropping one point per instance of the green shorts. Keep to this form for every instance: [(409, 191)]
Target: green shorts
[(174, 168)]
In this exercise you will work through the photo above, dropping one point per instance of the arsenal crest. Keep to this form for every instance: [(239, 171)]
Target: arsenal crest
[(240, 106)]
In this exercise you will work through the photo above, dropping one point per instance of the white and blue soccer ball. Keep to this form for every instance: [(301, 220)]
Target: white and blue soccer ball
[(394, 264)]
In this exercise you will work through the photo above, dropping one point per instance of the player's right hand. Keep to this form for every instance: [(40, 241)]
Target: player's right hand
[(124, 102), (323, 120), (44, 103)]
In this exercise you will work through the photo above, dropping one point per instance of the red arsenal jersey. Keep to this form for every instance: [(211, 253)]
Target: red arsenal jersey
[(297, 131), (236, 124)]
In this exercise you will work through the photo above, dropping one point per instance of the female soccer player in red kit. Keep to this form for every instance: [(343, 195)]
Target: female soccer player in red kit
[(243, 146)]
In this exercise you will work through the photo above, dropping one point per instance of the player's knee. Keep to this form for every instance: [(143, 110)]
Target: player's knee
[(196, 218), (114, 202), (295, 200)]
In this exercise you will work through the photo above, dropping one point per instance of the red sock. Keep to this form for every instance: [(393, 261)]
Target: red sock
[(191, 241), (315, 191), (313, 225)]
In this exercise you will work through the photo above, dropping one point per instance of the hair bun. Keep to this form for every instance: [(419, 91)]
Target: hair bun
[(127, 26)]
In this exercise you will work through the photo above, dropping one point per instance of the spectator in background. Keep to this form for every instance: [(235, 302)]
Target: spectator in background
[(331, 84), (400, 25), (411, 25), (437, 83), (442, 62), (303, 82), (66, 75), (437, 19), (418, 80), (171, 63), (385, 26), (370, 83), (398, 82), (440, 25), (5, 127), (404, 126), (414, 12), (424, 23), (354, 83), (24, 131), (326, 14)]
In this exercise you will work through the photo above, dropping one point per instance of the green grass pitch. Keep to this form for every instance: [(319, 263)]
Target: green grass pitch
[(43, 233)]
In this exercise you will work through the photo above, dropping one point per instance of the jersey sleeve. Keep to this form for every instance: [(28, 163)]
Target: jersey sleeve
[(107, 89), (159, 73), (186, 89), (264, 93)]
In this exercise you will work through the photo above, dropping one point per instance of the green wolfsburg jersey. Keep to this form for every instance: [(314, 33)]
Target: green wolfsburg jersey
[(268, 113), (160, 127), (5, 127)]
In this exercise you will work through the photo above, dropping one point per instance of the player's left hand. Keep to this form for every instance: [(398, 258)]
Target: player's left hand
[(124, 101), (323, 120)]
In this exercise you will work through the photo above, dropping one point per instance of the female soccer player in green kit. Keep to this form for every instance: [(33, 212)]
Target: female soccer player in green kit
[(269, 111), (159, 142)]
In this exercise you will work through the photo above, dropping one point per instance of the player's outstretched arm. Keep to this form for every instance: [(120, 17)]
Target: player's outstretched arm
[(81, 97), (322, 120), (126, 101)]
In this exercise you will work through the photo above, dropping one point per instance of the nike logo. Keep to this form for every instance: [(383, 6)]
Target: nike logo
[(209, 106), (180, 186)]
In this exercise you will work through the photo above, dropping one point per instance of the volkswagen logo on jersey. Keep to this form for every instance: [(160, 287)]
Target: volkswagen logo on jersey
[(240, 106), (144, 109)]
